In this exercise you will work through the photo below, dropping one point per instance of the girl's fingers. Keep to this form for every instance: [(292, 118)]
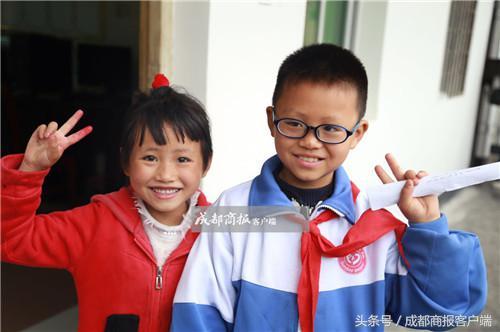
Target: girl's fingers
[(393, 164), (51, 128), (55, 149), (72, 121), (382, 175), (41, 131), (73, 138)]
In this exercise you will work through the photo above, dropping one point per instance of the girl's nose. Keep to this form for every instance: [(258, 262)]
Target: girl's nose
[(166, 171)]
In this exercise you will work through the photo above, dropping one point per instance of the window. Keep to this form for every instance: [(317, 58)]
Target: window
[(460, 25), (325, 22)]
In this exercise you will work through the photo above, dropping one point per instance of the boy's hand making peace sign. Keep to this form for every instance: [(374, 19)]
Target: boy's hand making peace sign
[(47, 143), (416, 209)]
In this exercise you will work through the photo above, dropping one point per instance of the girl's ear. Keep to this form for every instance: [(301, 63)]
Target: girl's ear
[(209, 163), (270, 124), (124, 167), (358, 134)]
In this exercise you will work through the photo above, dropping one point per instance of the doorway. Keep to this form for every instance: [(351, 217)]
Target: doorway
[(58, 57)]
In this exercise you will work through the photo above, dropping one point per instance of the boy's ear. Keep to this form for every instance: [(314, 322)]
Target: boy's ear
[(359, 133), (270, 124), (209, 163)]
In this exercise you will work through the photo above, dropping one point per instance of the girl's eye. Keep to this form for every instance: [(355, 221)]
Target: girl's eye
[(183, 159), (149, 158)]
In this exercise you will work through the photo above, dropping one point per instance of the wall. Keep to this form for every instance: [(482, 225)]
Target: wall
[(246, 44), (368, 44), (189, 48)]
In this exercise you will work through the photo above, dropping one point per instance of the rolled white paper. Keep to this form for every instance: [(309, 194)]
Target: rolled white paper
[(388, 194)]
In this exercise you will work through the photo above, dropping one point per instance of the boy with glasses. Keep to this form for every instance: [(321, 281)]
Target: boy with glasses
[(353, 269)]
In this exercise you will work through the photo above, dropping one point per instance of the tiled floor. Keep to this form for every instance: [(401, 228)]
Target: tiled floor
[(66, 321), (475, 209)]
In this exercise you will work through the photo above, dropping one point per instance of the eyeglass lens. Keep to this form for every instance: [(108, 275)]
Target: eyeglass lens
[(297, 129)]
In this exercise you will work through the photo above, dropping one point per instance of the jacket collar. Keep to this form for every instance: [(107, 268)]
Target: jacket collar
[(265, 191), (122, 204)]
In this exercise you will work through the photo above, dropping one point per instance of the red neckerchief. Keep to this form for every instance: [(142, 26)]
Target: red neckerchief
[(370, 227)]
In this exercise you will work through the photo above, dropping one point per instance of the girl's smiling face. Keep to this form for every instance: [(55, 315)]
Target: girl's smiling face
[(166, 176)]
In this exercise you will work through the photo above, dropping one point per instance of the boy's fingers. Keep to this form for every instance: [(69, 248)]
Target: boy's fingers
[(406, 194), (383, 176), (422, 174), (410, 174), (73, 138), (72, 121), (51, 128), (393, 164)]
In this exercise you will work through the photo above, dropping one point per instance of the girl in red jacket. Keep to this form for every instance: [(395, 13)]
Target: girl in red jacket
[(126, 250)]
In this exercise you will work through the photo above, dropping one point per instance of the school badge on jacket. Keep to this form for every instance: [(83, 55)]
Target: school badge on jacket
[(353, 263)]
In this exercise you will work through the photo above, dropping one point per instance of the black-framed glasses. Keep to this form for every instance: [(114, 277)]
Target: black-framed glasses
[(326, 133)]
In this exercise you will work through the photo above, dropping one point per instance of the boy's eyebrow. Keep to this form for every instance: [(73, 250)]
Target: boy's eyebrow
[(328, 119), (294, 111)]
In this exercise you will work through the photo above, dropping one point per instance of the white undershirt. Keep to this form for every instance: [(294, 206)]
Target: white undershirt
[(164, 239)]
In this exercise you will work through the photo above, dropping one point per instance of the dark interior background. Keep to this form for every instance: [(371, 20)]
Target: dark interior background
[(58, 57)]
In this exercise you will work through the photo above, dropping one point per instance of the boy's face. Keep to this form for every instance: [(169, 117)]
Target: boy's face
[(166, 176), (308, 162)]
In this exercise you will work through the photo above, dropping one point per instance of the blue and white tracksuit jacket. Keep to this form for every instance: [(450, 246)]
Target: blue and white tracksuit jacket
[(248, 281)]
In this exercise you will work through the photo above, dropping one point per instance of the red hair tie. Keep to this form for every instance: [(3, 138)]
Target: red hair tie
[(159, 81)]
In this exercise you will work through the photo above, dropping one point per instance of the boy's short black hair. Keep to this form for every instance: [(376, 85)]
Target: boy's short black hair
[(163, 105), (324, 64)]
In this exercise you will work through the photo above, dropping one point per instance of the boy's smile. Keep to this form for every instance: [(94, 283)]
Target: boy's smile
[(308, 162), (166, 176)]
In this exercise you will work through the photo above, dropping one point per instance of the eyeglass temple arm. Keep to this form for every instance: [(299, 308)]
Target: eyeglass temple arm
[(356, 126)]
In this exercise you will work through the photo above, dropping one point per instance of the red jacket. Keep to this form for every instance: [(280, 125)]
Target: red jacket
[(102, 244)]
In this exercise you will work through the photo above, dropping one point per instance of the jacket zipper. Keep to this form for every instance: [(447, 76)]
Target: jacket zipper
[(159, 278), (319, 206)]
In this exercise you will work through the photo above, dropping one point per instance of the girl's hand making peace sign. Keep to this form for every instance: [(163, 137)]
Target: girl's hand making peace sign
[(47, 143)]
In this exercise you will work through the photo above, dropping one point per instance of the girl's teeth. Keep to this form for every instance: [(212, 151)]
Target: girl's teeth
[(165, 191), (310, 160)]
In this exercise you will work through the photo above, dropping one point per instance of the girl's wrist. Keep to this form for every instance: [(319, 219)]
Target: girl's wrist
[(28, 167)]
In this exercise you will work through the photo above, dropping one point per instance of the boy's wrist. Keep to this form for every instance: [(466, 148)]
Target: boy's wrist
[(428, 218), (439, 225)]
